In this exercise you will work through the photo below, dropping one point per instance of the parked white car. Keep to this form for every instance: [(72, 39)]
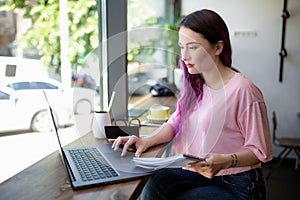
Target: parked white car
[(23, 105)]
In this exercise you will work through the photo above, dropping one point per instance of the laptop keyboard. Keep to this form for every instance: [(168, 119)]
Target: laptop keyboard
[(92, 165)]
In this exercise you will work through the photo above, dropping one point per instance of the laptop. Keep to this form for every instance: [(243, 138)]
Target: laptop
[(91, 166)]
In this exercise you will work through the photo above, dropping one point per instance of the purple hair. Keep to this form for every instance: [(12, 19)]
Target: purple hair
[(212, 27)]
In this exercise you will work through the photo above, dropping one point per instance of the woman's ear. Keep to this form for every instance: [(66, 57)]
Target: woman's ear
[(219, 47)]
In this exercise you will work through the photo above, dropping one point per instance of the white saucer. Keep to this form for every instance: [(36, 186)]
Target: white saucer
[(157, 119)]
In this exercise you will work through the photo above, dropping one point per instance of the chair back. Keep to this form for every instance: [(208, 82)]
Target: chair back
[(274, 119)]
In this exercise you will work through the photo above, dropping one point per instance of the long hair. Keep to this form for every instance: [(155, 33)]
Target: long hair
[(212, 27)]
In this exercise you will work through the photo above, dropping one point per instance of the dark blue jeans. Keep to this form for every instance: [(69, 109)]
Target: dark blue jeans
[(176, 183)]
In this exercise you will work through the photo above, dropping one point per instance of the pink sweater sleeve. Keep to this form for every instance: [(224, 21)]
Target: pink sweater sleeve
[(174, 120), (255, 128)]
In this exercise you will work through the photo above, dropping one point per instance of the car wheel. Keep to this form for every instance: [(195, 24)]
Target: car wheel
[(41, 122), (83, 106)]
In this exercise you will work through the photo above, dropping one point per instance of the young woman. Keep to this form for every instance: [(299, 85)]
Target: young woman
[(221, 116)]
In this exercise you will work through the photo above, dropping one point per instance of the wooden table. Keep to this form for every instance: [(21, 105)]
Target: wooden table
[(47, 179), (145, 102)]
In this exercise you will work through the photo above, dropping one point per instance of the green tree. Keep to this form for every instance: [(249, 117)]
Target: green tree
[(83, 29), (44, 33)]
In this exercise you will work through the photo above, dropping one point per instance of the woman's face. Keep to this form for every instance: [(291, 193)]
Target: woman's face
[(196, 51)]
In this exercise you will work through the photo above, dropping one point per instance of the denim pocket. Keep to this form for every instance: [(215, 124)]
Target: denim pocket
[(238, 181), (247, 185)]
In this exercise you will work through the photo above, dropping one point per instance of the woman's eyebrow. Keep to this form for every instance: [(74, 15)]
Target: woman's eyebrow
[(192, 43), (189, 43)]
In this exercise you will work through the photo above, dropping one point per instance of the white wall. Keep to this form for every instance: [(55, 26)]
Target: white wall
[(257, 56)]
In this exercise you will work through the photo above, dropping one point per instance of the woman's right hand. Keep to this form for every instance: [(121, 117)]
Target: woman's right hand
[(133, 141)]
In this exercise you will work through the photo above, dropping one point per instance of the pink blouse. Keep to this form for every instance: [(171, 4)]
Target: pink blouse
[(228, 120)]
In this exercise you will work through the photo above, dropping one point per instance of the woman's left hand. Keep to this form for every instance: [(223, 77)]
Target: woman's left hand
[(211, 166)]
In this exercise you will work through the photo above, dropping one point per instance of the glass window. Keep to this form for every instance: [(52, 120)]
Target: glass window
[(19, 85), (3, 95), (145, 64), (42, 85), (151, 45), (32, 86), (2, 13)]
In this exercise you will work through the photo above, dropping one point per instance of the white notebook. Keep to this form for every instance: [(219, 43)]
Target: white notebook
[(173, 161)]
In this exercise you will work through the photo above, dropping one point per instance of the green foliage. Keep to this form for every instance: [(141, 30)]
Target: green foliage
[(44, 34), (83, 30), (164, 40), (143, 15)]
